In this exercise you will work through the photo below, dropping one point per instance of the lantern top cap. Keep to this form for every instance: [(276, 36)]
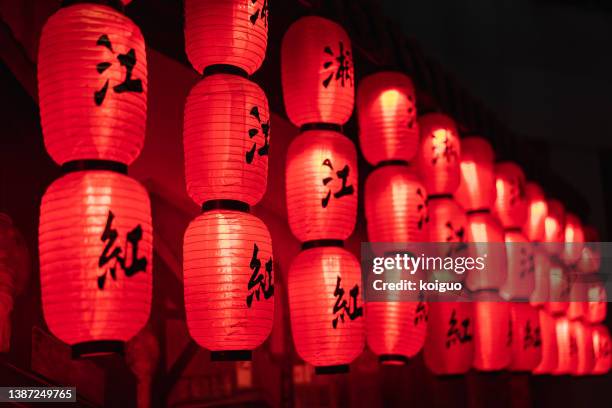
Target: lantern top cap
[(477, 149), (509, 168), (534, 191)]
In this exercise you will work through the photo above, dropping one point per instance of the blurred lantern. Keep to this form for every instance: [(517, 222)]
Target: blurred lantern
[(541, 268), (590, 256), (567, 348), (550, 355), (449, 347), (537, 209), (574, 239), (554, 227), (559, 289), (526, 337), (511, 202), (231, 32), (325, 302), (477, 187), (439, 153), (396, 205), (321, 186), (597, 302), (578, 296), (229, 286), (602, 348), (226, 140), (585, 360), (92, 85), (387, 114), (520, 255), (95, 245), (483, 229), (492, 332), (317, 72)]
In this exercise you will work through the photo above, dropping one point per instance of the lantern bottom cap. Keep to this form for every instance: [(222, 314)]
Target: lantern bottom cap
[(231, 355), (393, 359), (333, 369), (97, 348)]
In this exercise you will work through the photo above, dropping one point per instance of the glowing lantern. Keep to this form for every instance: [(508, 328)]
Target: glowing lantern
[(477, 187), (233, 32), (602, 348), (325, 302), (558, 290), (226, 140), (449, 346), (550, 355), (321, 186), (585, 358), (567, 348), (439, 153), (537, 209), (511, 203), (492, 332), (483, 229), (541, 269), (574, 239), (598, 302), (590, 257), (95, 245), (520, 278), (554, 227), (526, 337), (395, 207), (92, 85), (229, 286), (317, 72), (387, 113)]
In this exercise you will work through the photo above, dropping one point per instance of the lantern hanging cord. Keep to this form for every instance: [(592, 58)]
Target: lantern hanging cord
[(391, 163), (317, 243), (478, 211), (81, 165), (439, 196), (234, 205), (224, 69), (115, 4), (334, 127)]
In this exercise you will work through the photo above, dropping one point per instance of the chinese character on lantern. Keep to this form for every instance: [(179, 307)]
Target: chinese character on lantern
[(532, 337), (455, 333), (339, 67), (341, 175), (422, 209), (260, 13), (265, 130), (443, 147), (259, 283), (420, 313), (342, 307)]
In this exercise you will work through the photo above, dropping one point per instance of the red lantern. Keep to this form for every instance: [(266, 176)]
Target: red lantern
[(520, 256), (325, 302), (477, 187), (511, 202), (439, 154), (92, 85), (387, 113), (95, 244), (602, 348), (321, 186), (585, 360), (317, 72), (541, 268), (598, 302), (526, 337), (231, 32), (590, 258), (395, 330), (226, 140), (554, 227), (574, 239), (483, 228), (229, 286), (537, 209), (492, 332), (567, 348), (449, 346), (558, 290), (550, 354)]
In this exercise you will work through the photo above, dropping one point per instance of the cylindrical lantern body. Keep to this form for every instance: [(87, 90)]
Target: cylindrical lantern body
[(230, 32), (321, 186), (439, 154), (578, 297), (541, 264), (492, 332), (387, 114), (537, 210), (526, 337), (574, 239), (483, 229), (449, 346), (96, 257), (550, 355), (511, 202), (584, 345), (92, 85), (597, 304), (554, 227), (325, 303), (317, 72), (520, 277), (590, 258), (396, 206), (477, 187), (602, 349), (226, 140), (228, 278), (567, 348), (558, 290)]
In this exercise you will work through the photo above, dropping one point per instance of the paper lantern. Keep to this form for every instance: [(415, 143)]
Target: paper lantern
[(96, 256), (325, 303), (598, 302), (520, 276), (321, 186), (602, 349), (439, 153), (486, 234), (230, 32), (387, 114), (550, 354), (567, 348), (92, 85), (477, 187), (396, 205), (578, 296), (526, 337), (492, 332), (574, 239), (554, 227), (559, 288), (449, 346), (541, 268), (537, 209), (317, 72), (511, 202), (585, 356), (590, 257), (226, 140), (395, 330), (229, 283)]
